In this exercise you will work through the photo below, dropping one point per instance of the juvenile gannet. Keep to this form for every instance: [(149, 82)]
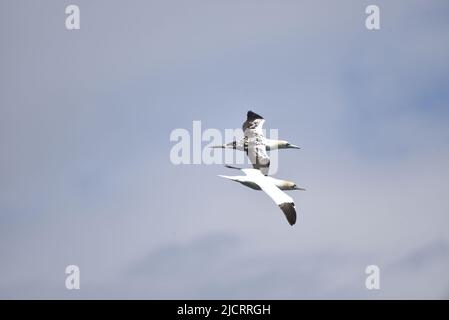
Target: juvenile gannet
[(254, 179), (255, 144), (270, 144)]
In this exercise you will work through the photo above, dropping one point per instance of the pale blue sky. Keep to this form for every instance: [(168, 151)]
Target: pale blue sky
[(85, 175)]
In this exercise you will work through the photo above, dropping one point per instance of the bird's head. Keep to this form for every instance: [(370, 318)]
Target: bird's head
[(292, 186), (283, 144)]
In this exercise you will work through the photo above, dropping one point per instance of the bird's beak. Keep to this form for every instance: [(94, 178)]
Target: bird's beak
[(292, 146), (298, 188), (222, 146)]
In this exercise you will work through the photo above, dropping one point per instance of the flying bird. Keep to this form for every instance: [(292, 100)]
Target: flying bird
[(255, 179), (255, 144)]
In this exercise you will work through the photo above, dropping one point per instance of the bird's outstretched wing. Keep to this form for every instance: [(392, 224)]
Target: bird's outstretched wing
[(283, 200), (254, 142), (253, 122)]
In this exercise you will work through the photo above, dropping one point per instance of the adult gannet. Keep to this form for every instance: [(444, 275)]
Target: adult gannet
[(254, 179), (255, 144)]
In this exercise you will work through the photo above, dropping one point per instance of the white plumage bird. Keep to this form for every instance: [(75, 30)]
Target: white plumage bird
[(254, 179)]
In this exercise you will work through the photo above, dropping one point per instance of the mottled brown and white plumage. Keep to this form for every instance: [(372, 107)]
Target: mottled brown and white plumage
[(254, 142), (256, 145)]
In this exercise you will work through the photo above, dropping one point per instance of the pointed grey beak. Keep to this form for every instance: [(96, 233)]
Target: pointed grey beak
[(219, 146), (298, 188), (292, 146)]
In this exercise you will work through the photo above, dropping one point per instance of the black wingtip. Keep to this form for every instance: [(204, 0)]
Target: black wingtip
[(252, 115), (289, 210)]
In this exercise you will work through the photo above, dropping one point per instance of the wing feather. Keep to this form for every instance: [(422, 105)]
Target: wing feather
[(254, 142), (283, 200)]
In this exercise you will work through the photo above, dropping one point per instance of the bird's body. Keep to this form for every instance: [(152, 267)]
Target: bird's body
[(281, 184), (255, 179), (270, 144), (255, 144)]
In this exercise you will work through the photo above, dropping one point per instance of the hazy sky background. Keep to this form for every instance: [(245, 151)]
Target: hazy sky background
[(86, 178)]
